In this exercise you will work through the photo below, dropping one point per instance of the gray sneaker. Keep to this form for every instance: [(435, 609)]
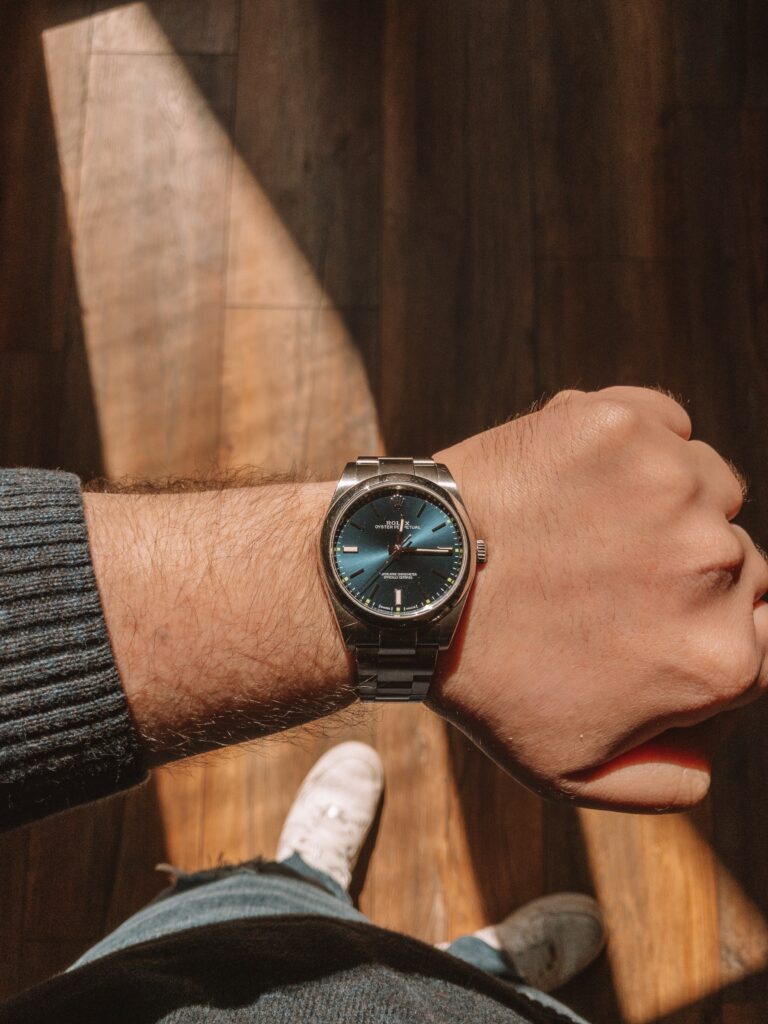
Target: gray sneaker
[(550, 940)]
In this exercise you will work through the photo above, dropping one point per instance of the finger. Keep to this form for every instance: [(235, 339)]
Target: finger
[(727, 486), (671, 772), (761, 636), (754, 574), (658, 403)]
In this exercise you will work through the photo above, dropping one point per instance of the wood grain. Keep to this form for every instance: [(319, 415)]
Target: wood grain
[(597, 123), (655, 877), (303, 231), (150, 257), (457, 273), (166, 26), (304, 224), (296, 393)]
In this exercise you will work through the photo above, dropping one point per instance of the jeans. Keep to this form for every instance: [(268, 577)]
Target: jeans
[(260, 888)]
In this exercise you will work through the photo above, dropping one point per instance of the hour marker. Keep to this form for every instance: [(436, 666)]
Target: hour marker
[(398, 596), (350, 550), (421, 510), (357, 526), (438, 527), (352, 575), (442, 577)]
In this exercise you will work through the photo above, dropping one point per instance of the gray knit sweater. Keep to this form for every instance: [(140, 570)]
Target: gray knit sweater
[(66, 737)]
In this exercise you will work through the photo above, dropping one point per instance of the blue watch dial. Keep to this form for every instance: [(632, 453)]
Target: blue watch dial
[(397, 552)]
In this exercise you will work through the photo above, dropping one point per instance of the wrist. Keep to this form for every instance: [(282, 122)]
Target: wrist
[(215, 608), (447, 693)]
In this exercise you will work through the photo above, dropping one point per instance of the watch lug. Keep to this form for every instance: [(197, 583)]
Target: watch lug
[(348, 479)]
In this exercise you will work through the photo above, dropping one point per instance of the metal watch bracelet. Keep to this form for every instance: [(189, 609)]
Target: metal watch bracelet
[(397, 667)]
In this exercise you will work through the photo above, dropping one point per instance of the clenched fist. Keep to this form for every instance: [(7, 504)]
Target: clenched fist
[(620, 612)]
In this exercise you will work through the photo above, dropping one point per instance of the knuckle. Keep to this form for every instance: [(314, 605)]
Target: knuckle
[(675, 474), (723, 556), (614, 418), (730, 553), (726, 670)]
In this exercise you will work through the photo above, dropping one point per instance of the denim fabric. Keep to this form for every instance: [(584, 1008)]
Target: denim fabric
[(261, 888), (478, 953), (253, 889)]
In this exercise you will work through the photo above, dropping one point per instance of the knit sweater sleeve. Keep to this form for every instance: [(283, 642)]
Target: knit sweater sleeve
[(66, 735)]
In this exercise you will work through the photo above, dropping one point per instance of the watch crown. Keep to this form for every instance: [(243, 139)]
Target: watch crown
[(482, 551)]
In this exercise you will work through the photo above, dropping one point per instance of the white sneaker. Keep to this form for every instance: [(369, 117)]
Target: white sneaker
[(550, 940), (333, 810)]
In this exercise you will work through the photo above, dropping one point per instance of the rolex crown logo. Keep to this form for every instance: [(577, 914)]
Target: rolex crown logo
[(397, 501)]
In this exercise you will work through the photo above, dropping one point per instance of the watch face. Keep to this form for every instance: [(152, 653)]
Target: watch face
[(398, 552)]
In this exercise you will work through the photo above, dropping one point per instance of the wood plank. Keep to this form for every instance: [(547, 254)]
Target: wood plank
[(304, 222), (567, 868), (150, 256), (457, 308), (141, 845), (620, 171), (37, 282), (598, 128), (603, 322), (13, 851), (656, 884), (166, 26), (457, 277), (71, 904), (296, 391), (719, 52), (43, 959)]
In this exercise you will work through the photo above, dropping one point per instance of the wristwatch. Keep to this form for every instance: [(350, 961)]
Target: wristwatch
[(399, 557)]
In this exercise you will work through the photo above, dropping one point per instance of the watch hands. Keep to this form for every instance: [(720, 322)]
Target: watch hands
[(400, 532), (399, 548), (430, 551)]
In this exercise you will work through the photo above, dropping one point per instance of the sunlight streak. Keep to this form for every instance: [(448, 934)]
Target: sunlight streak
[(661, 874), (167, 219)]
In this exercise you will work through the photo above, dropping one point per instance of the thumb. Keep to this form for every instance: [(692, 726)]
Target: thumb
[(671, 772)]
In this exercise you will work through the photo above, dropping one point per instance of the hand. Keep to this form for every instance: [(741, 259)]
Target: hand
[(619, 613)]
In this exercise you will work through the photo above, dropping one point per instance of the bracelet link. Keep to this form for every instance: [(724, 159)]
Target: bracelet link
[(398, 668)]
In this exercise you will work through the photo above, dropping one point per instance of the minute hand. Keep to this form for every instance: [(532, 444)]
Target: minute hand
[(427, 551)]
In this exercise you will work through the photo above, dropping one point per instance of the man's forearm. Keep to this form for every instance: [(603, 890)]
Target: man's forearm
[(215, 607)]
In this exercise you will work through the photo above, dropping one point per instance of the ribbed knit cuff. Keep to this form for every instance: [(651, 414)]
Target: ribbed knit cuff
[(66, 735)]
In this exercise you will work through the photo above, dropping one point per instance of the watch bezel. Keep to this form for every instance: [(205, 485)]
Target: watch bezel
[(393, 482)]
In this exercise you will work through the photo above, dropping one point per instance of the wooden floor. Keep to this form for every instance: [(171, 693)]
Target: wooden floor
[(288, 232)]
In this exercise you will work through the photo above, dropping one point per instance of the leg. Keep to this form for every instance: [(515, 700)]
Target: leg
[(539, 947), (318, 849)]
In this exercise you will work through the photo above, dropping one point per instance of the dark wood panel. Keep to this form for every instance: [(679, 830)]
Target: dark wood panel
[(603, 322), (601, 87), (173, 26), (36, 282), (457, 277), (720, 52), (304, 226), (13, 851)]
